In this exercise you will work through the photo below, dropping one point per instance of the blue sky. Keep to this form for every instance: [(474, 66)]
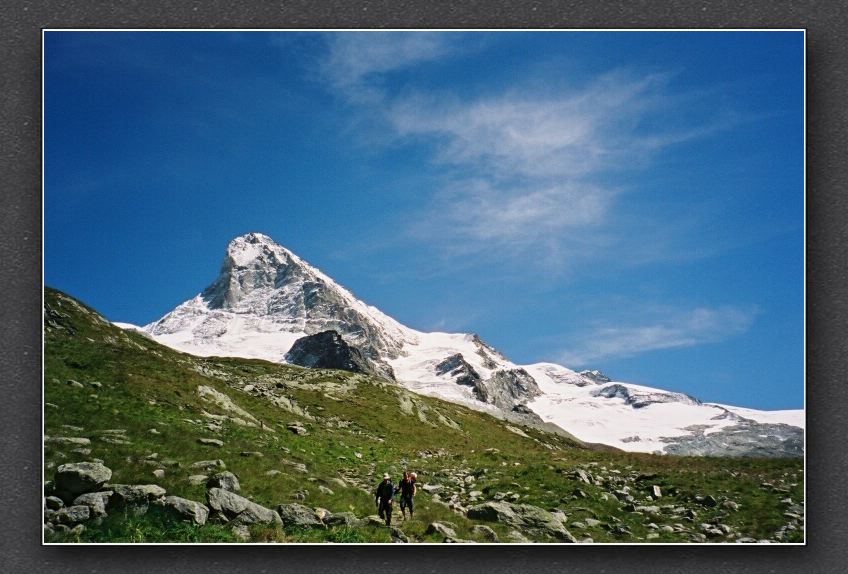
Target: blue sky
[(627, 201)]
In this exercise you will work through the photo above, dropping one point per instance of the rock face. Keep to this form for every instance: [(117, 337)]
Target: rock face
[(457, 367), (239, 510), (327, 350), (265, 283), (507, 387), (80, 477), (528, 518), (640, 399)]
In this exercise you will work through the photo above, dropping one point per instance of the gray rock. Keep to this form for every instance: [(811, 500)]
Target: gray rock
[(298, 429), (439, 528), (325, 490), (72, 514), (299, 516), (484, 532), (591, 522), (211, 441), (338, 482), (96, 501), (253, 453), (730, 505), (272, 472), (397, 535), (159, 473), (186, 510), (80, 477), (135, 497), (656, 492), (529, 518), (341, 519), (240, 510), (209, 464), (241, 532), (53, 502), (225, 480), (328, 350), (197, 479)]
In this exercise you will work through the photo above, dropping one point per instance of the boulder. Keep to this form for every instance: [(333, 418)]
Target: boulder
[(72, 514), (197, 479), (185, 510), (53, 502), (439, 528), (341, 519), (299, 516), (135, 497), (484, 532), (96, 501), (211, 441), (528, 518), (81, 477), (225, 480), (209, 464), (238, 509)]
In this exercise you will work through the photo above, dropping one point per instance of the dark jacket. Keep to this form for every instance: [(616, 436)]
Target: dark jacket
[(385, 491)]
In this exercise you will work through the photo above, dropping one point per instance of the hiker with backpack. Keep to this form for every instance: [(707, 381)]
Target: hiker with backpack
[(407, 491)]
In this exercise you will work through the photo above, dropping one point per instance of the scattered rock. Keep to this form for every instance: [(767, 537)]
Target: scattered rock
[(209, 464), (484, 532), (299, 516), (211, 441), (96, 501), (253, 453), (197, 479), (73, 514), (342, 519), (730, 505), (68, 440), (439, 528), (297, 428), (53, 502), (529, 518), (225, 480), (238, 509), (159, 473), (80, 477), (273, 472), (134, 497), (241, 532), (325, 490), (186, 510), (656, 492)]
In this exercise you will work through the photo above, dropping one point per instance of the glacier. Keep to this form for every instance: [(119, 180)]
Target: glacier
[(265, 298)]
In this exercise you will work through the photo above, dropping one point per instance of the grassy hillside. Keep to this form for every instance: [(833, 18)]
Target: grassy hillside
[(322, 438)]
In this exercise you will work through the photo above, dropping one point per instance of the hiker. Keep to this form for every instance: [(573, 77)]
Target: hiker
[(407, 491), (385, 492)]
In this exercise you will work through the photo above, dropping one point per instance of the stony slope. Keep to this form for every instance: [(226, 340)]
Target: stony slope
[(266, 298), (164, 422)]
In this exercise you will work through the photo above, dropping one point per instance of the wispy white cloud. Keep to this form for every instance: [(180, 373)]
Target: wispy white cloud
[(526, 169), (356, 59), (677, 329)]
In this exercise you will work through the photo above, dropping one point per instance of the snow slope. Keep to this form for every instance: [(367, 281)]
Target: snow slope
[(266, 297)]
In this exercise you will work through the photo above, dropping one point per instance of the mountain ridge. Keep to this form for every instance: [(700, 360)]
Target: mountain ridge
[(266, 298)]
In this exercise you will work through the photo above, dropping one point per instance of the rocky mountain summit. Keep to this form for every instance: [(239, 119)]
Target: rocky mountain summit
[(268, 303)]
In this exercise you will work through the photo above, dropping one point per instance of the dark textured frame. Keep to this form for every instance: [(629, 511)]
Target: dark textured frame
[(21, 276)]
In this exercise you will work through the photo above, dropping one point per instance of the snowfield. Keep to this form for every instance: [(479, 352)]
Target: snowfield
[(266, 298)]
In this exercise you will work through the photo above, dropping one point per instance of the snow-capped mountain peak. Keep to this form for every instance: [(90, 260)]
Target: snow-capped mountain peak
[(266, 298)]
